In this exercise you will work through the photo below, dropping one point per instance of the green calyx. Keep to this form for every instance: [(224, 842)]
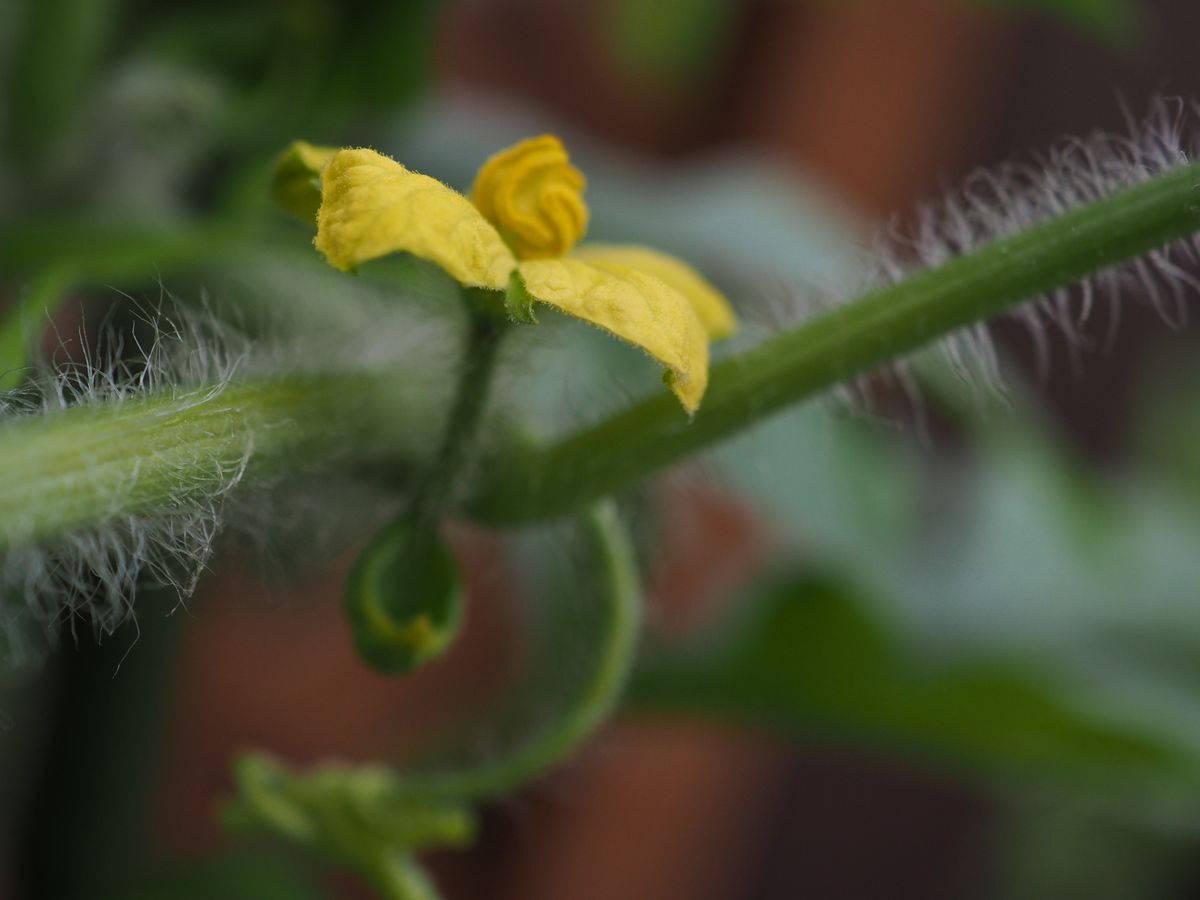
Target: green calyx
[(296, 181), (518, 302)]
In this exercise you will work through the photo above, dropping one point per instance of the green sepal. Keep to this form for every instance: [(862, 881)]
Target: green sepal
[(518, 302), (296, 181), (404, 598)]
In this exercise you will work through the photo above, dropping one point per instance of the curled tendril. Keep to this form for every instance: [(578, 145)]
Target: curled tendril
[(373, 819)]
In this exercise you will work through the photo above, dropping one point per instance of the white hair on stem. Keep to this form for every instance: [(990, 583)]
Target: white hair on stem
[(184, 359), (1003, 200), (92, 575)]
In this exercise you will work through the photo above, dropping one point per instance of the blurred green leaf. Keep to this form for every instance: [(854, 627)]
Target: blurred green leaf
[(1114, 20), (805, 655), (302, 66), (1168, 432), (670, 38), (60, 44), (1006, 548), (680, 39), (1064, 847)]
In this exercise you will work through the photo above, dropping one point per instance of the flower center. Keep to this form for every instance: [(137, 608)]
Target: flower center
[(534, 197)]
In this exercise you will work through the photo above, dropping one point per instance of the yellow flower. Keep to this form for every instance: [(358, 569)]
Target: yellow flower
[(517, 234)]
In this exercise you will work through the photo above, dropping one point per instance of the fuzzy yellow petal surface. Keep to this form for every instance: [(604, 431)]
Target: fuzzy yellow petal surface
[(634, 306), (714, 310), (372, 206)]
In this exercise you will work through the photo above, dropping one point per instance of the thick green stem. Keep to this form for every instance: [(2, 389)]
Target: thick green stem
[(836, 347), (163, 451)]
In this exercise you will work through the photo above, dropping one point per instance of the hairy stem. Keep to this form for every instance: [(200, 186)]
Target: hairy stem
[(160, 452), (555, 479)]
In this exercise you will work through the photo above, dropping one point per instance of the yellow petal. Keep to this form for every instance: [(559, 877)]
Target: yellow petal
[(641, 309), (711, 306), (296, 183), (372, 206), (532, 193)]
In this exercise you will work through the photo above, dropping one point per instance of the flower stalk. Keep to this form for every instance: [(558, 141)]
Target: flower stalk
[(485, 331)]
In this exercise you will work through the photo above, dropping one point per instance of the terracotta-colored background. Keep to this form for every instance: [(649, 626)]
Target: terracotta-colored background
[(883, 101)]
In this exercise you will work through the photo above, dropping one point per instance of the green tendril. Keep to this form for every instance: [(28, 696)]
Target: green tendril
[(373, 819)]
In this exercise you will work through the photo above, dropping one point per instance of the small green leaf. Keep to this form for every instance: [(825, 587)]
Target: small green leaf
[(518, 302), (404, 598), (296, 183)]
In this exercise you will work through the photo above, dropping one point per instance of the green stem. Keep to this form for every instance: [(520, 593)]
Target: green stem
[(615, 579), (78, 467), (462, 424), (839, 346)]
